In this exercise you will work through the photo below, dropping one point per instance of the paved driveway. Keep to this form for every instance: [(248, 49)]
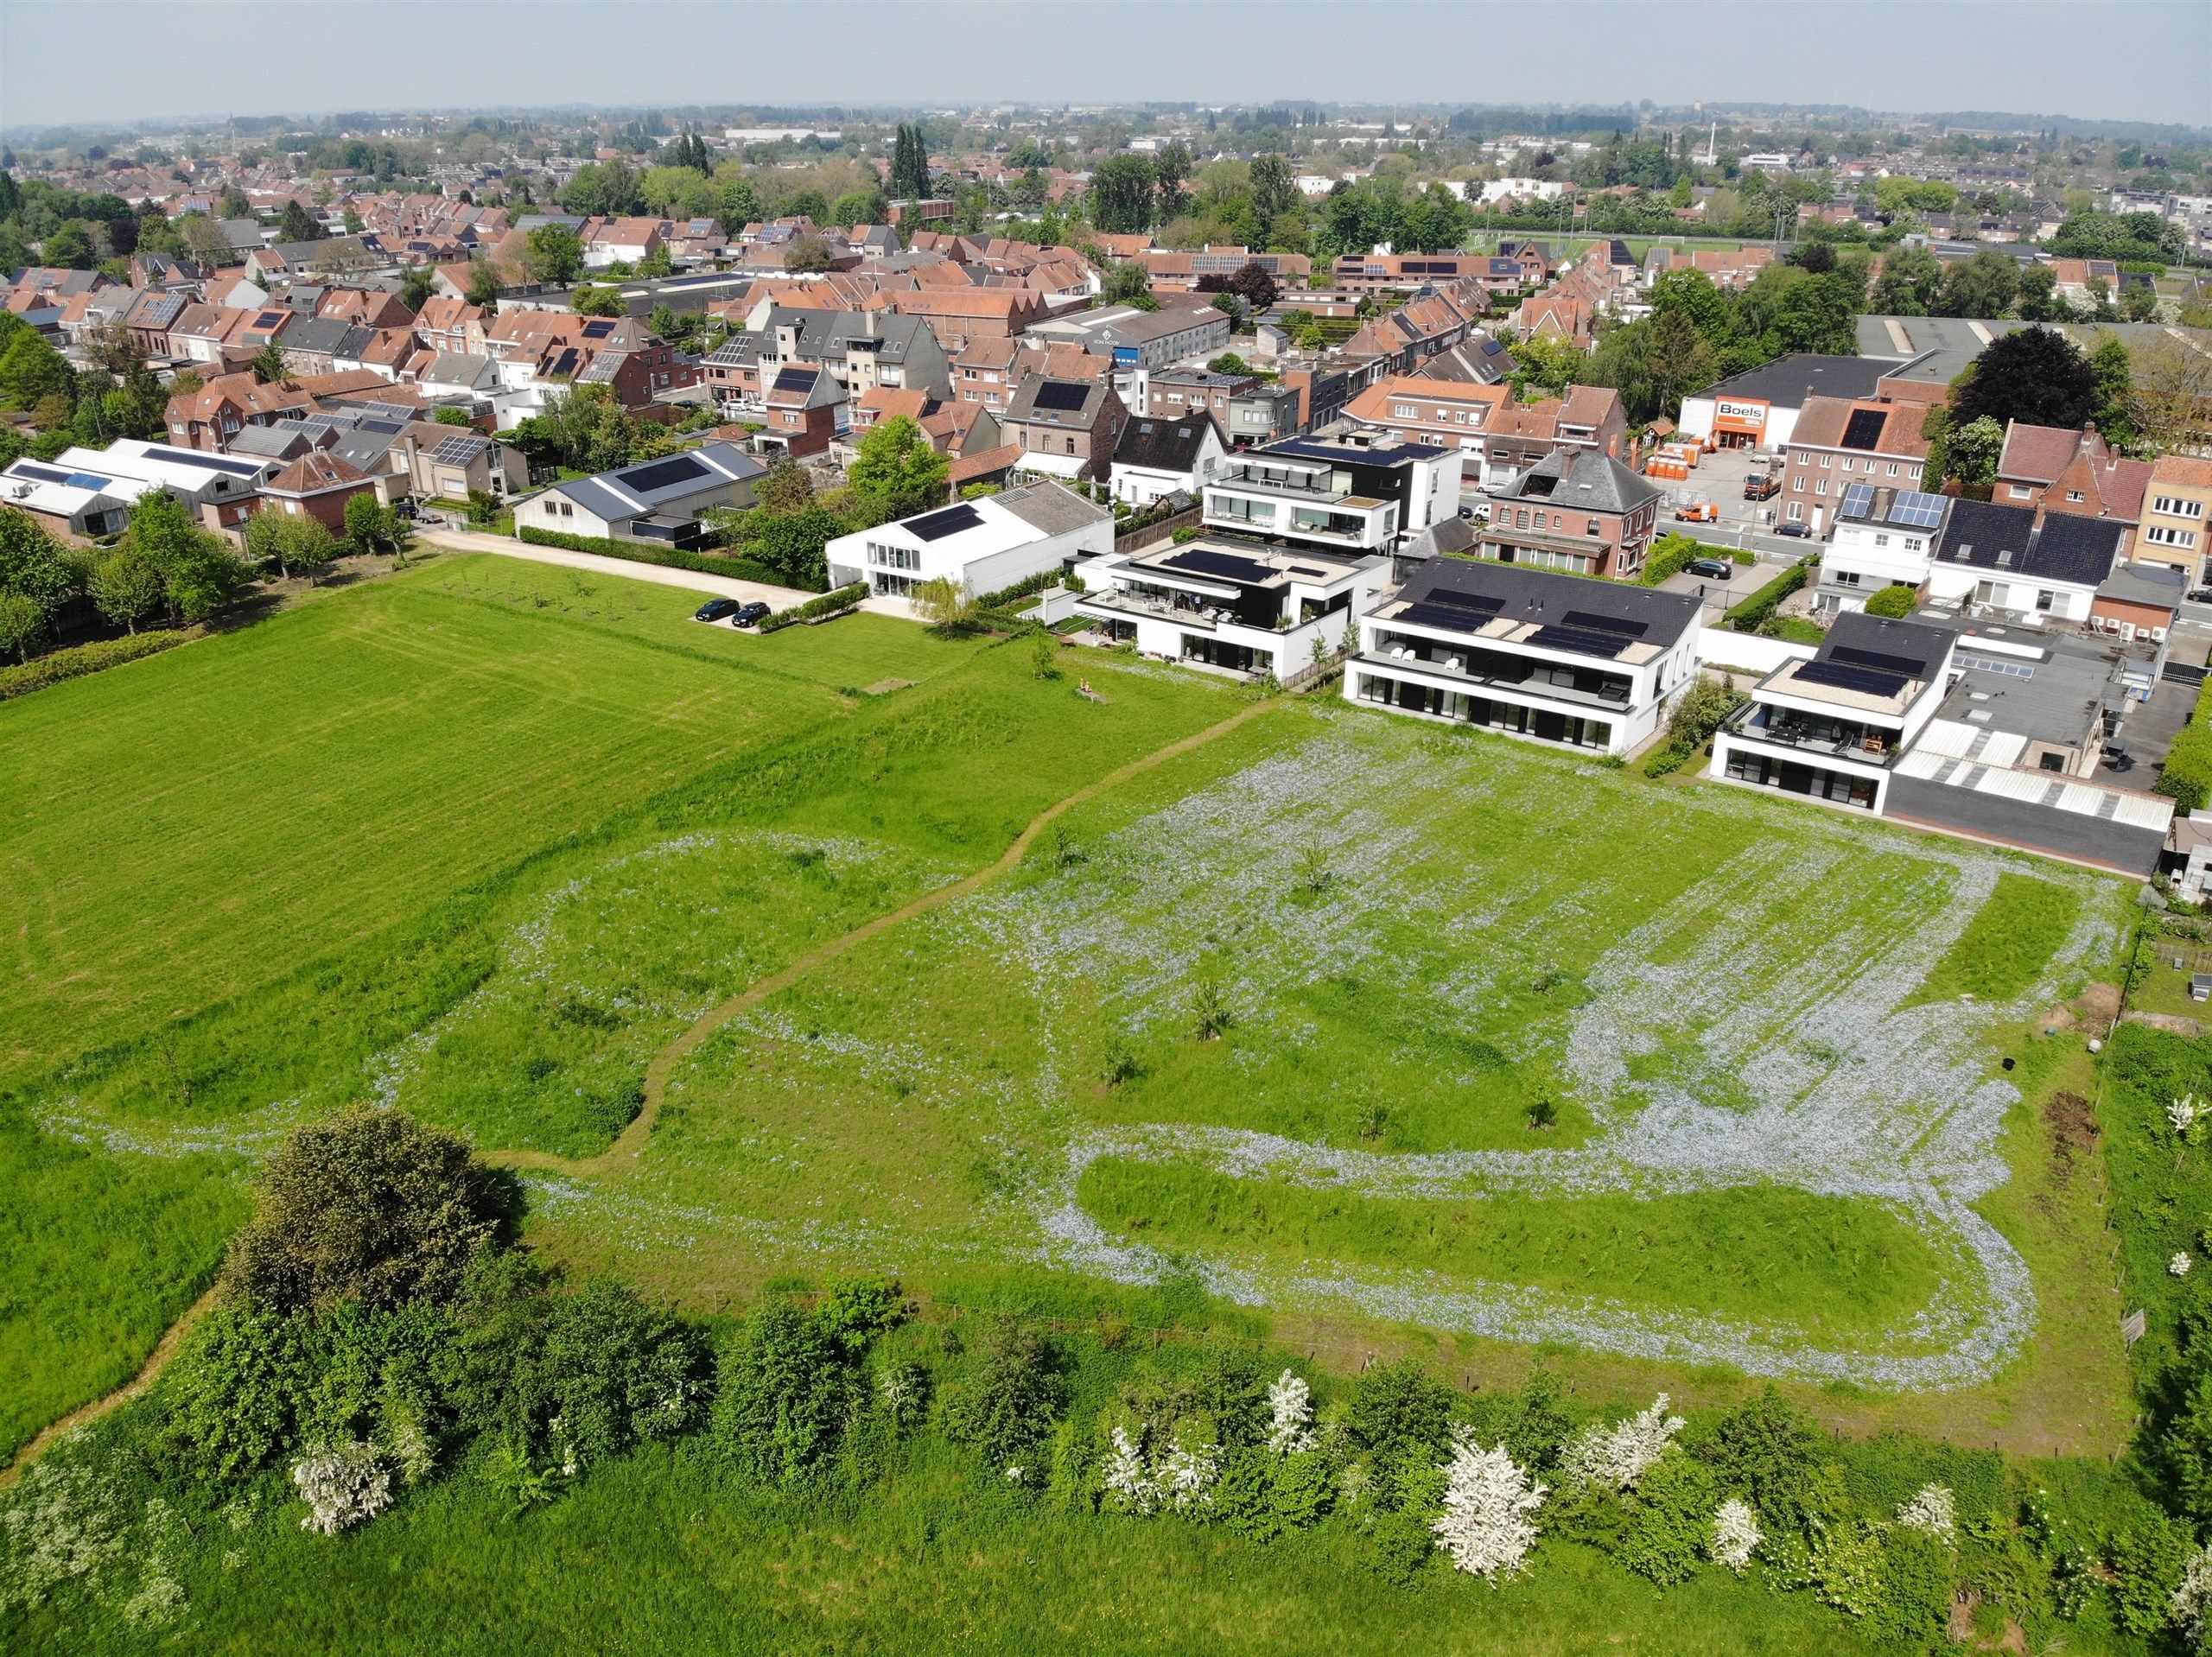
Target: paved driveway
[(776, 597)]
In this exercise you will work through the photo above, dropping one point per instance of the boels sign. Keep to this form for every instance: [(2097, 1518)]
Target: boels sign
[(1730, 414)]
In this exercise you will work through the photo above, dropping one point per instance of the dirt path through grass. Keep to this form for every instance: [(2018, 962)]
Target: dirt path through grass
[(662, 1064), (156, 1360), (631, 1140)]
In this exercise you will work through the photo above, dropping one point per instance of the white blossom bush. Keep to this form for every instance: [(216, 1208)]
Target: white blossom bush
[(2192, 1600), (1187, 1474), (61, 1523), (1932, 1512), (1488, 1497), (1129, 1482), (2182, 1114), (1618, 1454), (343, 1484), (1736, 1534), (2179, 1265), (1291, 1401)]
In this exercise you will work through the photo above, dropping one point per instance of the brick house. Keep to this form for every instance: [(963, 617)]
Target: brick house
[(2054, 469), (2177, 502), (1838, 441), (1066, 427), (1576, 510), (317, 485), (805, 410)]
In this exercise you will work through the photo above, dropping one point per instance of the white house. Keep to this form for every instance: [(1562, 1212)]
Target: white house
[(197, 477), (1832, 727), (986, 544), (1997, 561), (1157, 458), (1884, 537), (1557, 658), (653, 500), (1363, 490), (65, 500), (1231, 604)]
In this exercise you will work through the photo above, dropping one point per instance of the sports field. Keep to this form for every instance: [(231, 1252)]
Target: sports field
[(1391, 1033)]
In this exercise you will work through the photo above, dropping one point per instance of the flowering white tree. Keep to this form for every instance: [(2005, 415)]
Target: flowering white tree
[(1488, 1497), (1187, 1475), (343, 1484), (2192, 1601), (2179, 1265), (1129, 1484), (1931, 1511), (2182, 1114), (1617, 1455), (1292, 1401), (1736, 1534)]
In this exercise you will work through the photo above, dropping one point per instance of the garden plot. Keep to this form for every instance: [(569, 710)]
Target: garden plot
[(1415, 946)]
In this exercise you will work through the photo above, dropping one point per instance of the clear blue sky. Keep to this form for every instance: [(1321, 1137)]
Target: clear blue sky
[(111, 60)]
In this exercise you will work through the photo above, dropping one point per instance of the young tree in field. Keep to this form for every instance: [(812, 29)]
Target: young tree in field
[(199, 575), (126, 589), (297, 546), (372, 1207), (1488, 1497), (945, 603), (897, 473), (22, 623)]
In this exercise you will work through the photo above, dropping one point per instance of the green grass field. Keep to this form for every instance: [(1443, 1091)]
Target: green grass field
[(1337, 1030)]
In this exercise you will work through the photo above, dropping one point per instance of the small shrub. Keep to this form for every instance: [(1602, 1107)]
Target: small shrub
[(1212, 1014), (1895, 601), (1667, 1522), (1006, 1408), (344, 1485), (830, 604), (1045, 656), (786, 1392), (1543, 1111)]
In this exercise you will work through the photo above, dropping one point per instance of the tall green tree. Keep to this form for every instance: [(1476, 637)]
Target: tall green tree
[(198, 574), (2033, 374), (2118, 416), (896, 473), (297, 224), (1121, 200), (125, 588), (553, 253)]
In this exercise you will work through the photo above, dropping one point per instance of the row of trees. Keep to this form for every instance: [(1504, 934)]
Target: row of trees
[(378, 1330)]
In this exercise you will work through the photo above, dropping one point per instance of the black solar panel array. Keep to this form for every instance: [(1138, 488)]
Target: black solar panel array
[(1061, 397), (1452, 617), (1606, 624), (794, 379), (660, 474), (1577, 641), (1871, 681), (1864, 429), (1853, 657), (935, 526), (1203, 561)]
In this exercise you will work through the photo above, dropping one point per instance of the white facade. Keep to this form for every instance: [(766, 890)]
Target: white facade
[(1865, 558), (2030, 599), (1230, 607), (1835, 737), (1143, 485), (139, 467), (985, 545)]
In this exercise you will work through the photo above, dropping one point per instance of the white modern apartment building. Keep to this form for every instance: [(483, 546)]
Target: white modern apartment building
[(985, 545), (1556, 658)]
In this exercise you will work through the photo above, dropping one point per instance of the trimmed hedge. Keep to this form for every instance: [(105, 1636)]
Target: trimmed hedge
[(638, 552), (2186, 777), (830, 604), (79, 659), (1672, 553), (1753, 613)]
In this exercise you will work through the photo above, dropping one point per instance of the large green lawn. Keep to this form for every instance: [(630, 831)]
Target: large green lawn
[(476, 839)]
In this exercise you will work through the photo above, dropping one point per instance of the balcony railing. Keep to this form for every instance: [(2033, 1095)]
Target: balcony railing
[(1779, 728), (1466, 671)]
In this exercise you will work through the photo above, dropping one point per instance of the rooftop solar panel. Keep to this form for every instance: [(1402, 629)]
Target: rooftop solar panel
[(210, 462), (598, 330), (1230, 565), (459, 451), (1858, 499), (1864, 429), (1452, 618), (1061, 397), (1577, 641), (935, 526), (1887, 663), (1916, 510), (1606, 624), (794, 379), (1482, 602), (661, 474), (1870, 681), (42, 474)]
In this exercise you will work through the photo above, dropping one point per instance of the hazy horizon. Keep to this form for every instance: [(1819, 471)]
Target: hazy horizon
[(2143, 61)]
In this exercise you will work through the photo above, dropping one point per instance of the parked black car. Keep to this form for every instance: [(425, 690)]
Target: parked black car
[(750, 614), (716, 610), (1714, 569), (1795, 531)]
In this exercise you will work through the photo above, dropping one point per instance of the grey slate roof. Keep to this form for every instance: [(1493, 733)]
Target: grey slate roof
[(1582, 479), (1164, 445), (2005, 539), (1922, 641), (1049, 507)]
